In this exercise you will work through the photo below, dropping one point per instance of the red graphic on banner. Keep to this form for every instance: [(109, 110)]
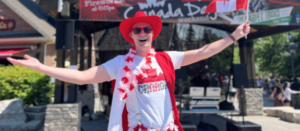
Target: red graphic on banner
[(99, 9), (107, 9)]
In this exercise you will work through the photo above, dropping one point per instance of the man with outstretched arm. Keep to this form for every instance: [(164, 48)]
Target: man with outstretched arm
[(143, 97)]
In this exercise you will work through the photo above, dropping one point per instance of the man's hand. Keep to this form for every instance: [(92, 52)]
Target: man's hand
[(241, 30), (29, 62)]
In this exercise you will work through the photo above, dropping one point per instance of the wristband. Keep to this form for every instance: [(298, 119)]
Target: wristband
[(232, 38)]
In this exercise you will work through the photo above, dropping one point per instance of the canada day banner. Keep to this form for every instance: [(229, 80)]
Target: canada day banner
[(261, 12)]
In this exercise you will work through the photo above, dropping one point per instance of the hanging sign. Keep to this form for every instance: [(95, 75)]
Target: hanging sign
[(261, 12), (7, 25)]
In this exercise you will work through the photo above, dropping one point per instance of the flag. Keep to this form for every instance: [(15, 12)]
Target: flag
[(226, 5)]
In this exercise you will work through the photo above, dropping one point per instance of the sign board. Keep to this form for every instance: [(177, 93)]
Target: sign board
[(261, 12), (7, 25)]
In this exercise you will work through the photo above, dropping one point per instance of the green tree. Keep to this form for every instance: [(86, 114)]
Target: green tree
[(269, 54), (296, 40), (236, 55)]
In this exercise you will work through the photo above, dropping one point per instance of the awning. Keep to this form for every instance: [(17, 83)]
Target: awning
[(4, 53)]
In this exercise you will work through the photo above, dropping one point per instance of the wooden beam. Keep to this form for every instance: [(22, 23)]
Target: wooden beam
[(257, 31), (90, 43), (54, 13), (220, 27), (228, 28), (82, 35), (72, 88), (271, 31), (59, 85), (89, 27)]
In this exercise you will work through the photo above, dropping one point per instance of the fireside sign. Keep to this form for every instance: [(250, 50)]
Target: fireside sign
[(261, 12), (7, 25)]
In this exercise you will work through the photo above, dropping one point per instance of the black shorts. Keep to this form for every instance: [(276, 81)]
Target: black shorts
[(286, 101)]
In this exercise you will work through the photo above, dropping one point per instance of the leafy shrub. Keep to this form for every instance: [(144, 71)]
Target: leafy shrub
[(21, 82)]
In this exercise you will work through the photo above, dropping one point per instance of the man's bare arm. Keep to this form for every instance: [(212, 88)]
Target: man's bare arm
[(96, 74), (205, 52), (209, 50)]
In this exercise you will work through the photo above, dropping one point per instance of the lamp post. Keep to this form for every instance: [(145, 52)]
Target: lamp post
[(292, 49)]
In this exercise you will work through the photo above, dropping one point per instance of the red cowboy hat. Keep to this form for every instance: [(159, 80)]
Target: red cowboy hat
[(140, 16)]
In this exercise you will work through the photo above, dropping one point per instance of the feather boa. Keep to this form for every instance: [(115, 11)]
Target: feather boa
[(131, 73)]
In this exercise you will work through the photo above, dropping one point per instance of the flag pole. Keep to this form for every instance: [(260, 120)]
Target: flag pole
[(247, 15)]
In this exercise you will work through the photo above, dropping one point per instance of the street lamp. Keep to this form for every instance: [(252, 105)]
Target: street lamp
[(292, 49)]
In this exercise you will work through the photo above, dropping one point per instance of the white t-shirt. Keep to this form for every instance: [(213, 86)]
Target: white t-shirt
[(288, 93), (152, 93)]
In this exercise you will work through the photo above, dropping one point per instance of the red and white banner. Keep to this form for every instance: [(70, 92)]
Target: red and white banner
[(261, 12), (226, 5)]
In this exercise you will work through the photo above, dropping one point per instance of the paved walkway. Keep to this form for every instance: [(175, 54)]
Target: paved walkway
[(95, 125), (101, 124), (267, 123), (273, 123)]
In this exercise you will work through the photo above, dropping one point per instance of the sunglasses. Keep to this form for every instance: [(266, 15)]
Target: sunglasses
[(138, 30)]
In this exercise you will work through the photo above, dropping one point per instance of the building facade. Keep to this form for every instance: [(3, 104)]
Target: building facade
[(25, 29)]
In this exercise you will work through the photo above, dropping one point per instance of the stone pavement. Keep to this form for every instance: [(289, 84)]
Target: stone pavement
[(95, 125), (273, 123), (100, 124), (267, 123)]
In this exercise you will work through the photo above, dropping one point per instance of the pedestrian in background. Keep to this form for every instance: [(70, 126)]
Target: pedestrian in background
[(288, 92), (295, 97), (278, 94), (258, 82)]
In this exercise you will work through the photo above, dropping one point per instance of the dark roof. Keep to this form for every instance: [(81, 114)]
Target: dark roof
[(36, 9), (32, 13)]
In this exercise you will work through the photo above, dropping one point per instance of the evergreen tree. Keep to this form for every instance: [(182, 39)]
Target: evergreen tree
[(190, 34)]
